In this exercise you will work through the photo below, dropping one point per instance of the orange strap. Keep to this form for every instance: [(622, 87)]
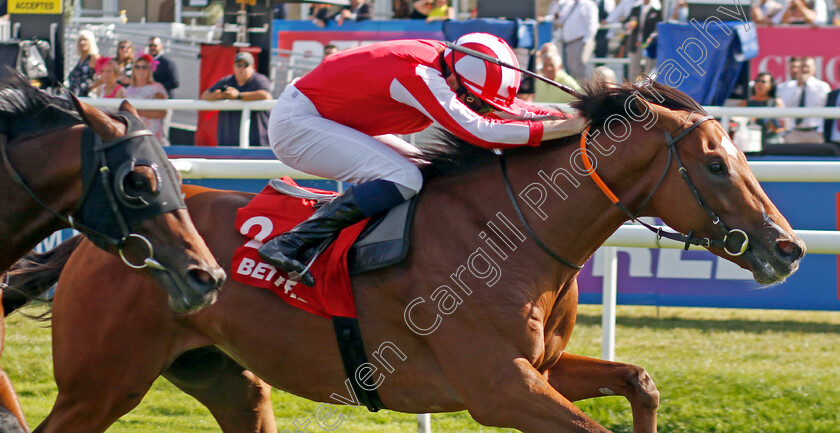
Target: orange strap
[(588, 164)]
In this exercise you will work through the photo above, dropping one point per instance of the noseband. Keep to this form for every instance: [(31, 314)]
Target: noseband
[(689, 239), (113, 227)]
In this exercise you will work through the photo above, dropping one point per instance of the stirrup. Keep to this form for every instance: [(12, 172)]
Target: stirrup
[(317, 250)]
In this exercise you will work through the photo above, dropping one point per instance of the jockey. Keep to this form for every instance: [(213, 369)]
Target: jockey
[(337, 120)]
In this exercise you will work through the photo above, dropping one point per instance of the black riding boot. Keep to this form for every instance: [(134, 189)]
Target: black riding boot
[(289, 250)]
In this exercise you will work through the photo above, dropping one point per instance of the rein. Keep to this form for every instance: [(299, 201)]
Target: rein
[(689, 239), (99, 156)]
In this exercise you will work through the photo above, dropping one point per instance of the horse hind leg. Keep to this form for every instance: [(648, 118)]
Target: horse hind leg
[(237, 399), (579, 377)]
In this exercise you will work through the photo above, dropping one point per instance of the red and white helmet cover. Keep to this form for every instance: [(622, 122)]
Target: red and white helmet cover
[(494, 84)]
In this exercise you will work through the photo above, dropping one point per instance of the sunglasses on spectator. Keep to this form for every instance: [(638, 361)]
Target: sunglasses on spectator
[(125, 46), (241, 65), (141, 67)]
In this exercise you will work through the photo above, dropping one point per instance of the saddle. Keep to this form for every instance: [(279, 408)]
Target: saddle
[(382, 243)]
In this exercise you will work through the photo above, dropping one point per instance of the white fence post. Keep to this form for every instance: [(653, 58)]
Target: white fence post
[(609, 290), (424, 423)]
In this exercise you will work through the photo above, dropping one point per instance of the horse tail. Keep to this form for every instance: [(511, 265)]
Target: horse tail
[(36, 273)]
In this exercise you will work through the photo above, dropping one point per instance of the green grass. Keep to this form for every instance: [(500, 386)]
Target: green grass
[(761, 371)]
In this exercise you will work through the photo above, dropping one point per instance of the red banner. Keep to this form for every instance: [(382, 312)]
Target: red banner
[(778, 44)]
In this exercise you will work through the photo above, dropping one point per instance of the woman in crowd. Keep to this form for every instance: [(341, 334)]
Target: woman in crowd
[(143, 86), (763, 94), (440, 10), (552, 68), (80, 79), (108, 71), (125, 60)]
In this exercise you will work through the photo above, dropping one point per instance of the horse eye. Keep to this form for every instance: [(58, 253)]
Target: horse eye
[(136, 183), (717, 167)]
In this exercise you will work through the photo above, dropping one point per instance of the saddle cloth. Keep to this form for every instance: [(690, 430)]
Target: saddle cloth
[(382, 241)]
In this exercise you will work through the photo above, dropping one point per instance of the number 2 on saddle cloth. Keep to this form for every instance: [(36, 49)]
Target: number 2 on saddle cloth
[(271, 213)]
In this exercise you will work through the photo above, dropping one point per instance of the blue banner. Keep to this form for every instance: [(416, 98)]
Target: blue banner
[(702, 61)]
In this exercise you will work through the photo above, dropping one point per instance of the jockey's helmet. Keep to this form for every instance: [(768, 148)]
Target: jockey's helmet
[(496, 85)]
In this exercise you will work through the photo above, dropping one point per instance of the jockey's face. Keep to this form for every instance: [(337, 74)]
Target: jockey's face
[(466, 97)]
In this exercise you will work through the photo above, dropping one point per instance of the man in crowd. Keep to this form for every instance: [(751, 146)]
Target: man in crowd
[(247, 85), (642, 27), (811, 12), (575, 23), (165, 72), (808, 92), (831, 126)]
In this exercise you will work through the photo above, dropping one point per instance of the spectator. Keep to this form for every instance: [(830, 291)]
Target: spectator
[(764, 11), (763, 94), (358, 10), (835, 14), (616, 36), (422, 9), (402, 9), (245, 84), (144, 86), (329, 50), (440, 11), (831, 127), (811, 12), (808, 92), (80, 79), (793, 73), (320, 14), (605, 7), (108, 71), (642, 27), (680, 14), (552, 68), (605, 74), (165, 73), (575, 23), (125, 58)]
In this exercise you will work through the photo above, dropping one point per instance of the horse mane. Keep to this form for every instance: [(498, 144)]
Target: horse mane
[(599, 100), (446, 154), (25, 109)]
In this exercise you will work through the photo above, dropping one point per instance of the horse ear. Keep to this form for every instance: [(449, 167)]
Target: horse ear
[(80, 106), (102, 124), (126, 106)]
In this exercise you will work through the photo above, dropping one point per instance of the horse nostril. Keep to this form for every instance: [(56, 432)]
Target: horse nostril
[(203, 280), (789, 250)]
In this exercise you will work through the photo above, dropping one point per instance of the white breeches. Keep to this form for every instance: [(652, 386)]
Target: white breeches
[(305, 141)]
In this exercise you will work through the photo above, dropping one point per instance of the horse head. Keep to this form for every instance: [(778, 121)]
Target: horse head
[(133, 206), (699, 183)]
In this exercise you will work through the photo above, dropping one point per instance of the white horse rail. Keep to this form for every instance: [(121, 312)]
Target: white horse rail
[(202, 168), (247, 106)]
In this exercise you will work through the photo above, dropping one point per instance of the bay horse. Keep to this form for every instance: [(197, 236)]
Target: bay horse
[(118, 188), (476, 317)]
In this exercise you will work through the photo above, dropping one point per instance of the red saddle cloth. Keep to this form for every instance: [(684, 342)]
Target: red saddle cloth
[(271, 213)]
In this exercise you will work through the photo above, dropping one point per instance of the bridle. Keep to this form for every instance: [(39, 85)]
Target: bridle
[(689, 238), (112, 228)]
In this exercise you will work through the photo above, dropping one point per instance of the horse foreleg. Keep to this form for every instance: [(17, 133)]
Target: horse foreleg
[(239, 400), (515, 395), (580, 377), (10, 402)]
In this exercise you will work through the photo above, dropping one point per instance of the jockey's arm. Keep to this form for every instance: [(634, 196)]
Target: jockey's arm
[(430, 94)]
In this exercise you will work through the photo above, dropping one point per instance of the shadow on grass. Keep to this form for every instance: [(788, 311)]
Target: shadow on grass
[(740, 325)]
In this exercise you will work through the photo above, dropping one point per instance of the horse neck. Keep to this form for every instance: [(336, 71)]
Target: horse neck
[(50, 164), (567, 211)]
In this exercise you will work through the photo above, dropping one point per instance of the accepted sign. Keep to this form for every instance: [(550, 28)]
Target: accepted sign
[(34, 6)]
